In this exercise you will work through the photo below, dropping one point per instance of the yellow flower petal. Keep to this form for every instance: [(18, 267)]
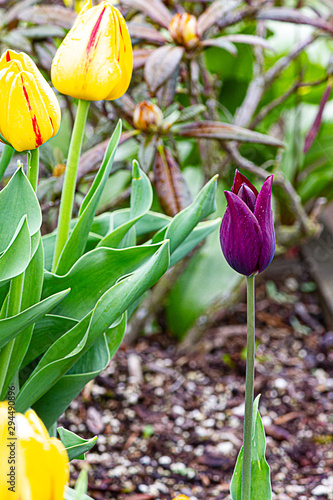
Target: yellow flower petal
[(95, 60), (28, 122)]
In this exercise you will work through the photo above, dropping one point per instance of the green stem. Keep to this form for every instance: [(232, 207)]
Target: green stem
[(13, 308), (249, 391), (33, 168), (68, 190), (6, 156)]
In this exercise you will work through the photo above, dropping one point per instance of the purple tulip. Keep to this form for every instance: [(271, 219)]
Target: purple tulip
[(247, 230)]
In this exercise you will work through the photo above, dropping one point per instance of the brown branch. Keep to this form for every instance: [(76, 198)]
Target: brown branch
[(279, 100), (261, 83), (279, 180)]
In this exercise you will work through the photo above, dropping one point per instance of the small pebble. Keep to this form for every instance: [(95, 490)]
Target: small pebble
[(280, 383), (165, 460), (320, 490)]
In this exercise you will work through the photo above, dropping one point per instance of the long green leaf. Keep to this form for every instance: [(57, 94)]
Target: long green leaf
[(16, 256), (70, 494), (93, 274), (141, 200), (186, 220), (77, 241), (260, 474), (11, 327), (75, 445), (198, 234), (55, 401), (46, 331), (33, 281), (67, 350), (18, 199)]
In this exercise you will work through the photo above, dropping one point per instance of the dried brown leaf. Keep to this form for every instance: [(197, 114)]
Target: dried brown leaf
[(146, 32), (170, 184), (140, 57), (225, 131), (48, 14), (154, 9), (161, 64), (216, 11)]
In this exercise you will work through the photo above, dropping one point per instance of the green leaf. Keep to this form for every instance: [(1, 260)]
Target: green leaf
[(208, 278), (11, 327), (260, 473), (141, 200), (70, 494), (186, 220), (56, 400), (47, 330), (115, 334), (93, 274), (18, 199), (32, 286), (75, 446), (77, 241), (16, 256), (198, 234), (67, 350), (81, 485)]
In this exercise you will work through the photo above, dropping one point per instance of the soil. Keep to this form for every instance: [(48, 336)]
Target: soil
[(171, 423)]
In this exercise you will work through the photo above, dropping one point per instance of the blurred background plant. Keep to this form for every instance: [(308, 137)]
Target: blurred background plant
[(217, 85)]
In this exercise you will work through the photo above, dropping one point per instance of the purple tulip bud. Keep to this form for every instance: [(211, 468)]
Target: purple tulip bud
[(247, 230)]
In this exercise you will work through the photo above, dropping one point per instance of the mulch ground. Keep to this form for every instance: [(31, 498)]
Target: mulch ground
[(170, 423)]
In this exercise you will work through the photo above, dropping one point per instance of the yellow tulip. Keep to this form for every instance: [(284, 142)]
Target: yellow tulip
[(95, 60), (183, 29), (33, 466), (29, 110)]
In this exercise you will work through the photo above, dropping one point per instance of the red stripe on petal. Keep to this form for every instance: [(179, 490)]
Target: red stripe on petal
[(8, 56), (35, 126), (92, 39)]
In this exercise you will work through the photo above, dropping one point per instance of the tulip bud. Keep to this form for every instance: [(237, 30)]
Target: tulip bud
[(95, 60), (32, 463), (147, 117), (29, 110), (247, 230), (183, 29), (59, 170)]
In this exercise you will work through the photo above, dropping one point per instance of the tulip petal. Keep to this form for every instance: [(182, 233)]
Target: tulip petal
[(94, 62), (241, 237), (45, 90), (263, 213), (28, 123), (60, 468), (240, 179), (125, 56), (248, 196)]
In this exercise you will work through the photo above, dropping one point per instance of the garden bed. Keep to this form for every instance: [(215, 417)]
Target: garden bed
[(170, 423)]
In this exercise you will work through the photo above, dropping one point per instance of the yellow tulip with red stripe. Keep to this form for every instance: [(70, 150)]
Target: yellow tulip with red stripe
[(29, 110), (95, 60), (33, 466)]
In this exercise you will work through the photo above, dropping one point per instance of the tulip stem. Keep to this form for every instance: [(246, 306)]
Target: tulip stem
[(7, 154), (249, 391), (33, 168), (68, 190), (13, 308)]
